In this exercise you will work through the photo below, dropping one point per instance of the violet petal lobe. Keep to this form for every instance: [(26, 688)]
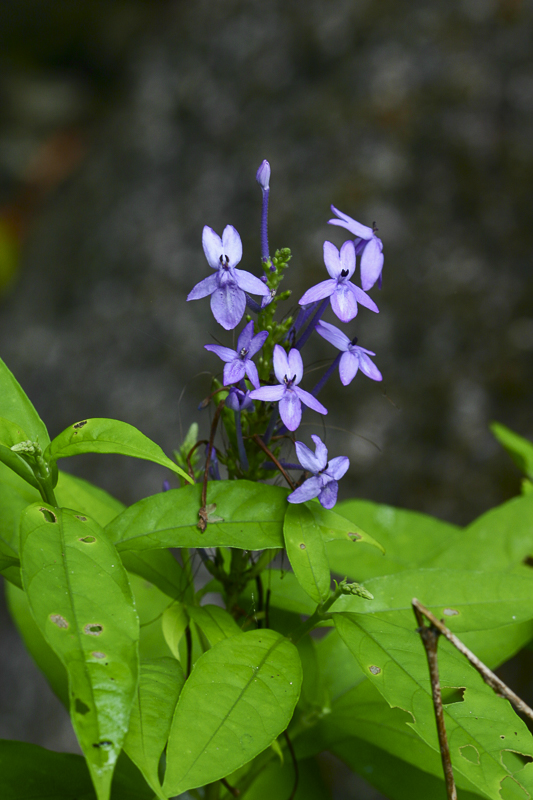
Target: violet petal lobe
[(290, 409), (310, 401), (251, 371), (333, 335), (307, 458), (212, 244), (332, 260), (245, 337), (225, 353), (204, 288), (321, 451), (371, 263), (343, 302), (232, 245), (347, 258), (328, 496), (364, 299), (318, 292), (270, 394), (307, 491), (249, 283), (234, 372), (369, 368), (228, 304), (364, 231), (337, 467), (281, 363), (257, 343), (348, 366), (296, 365)]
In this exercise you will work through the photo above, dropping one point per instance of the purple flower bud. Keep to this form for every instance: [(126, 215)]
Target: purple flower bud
[(263, 175), (166, 486), (238, 400)]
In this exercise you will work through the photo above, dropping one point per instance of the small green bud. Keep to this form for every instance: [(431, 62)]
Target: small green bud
[(355, 589)]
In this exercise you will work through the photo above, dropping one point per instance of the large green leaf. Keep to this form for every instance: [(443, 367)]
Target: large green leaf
[(239, 697), (471, 603), (81, 601), (410, 539), (160, 568), (29, 772), (276, 780), (338, 527), (74, 492), (109, 436), (16, 406), (482, 728), (150, 603), (252, 517), (499, 540), (160, 683), (520, 449), (214, 622), (284, 590), (307, 552)]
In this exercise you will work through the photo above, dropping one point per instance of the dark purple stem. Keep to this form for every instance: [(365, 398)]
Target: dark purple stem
[(312, 325), (264, 226), (326, 376), (240, 444), (301, 318)]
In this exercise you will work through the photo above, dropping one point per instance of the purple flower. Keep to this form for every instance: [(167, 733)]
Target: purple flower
[(344, 294), (228, 286), (325, 474), (366, 243), (353, 357), (239, 362), (238, 400), (263, 175), (289, 371)]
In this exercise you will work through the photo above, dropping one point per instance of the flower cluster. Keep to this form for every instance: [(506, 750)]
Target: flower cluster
[(276, 377)]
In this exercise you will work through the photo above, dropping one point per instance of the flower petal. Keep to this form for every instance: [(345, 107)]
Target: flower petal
[(369, 368), (307, 491), (343, 302), (332, 335), (309, 401), (249, 283), (228, 304), (338, 467), (270, 394), (251, 371), (212, 244), (332, 259), (232, 245), (205, 287), (307, 458), (321, 451), (371, 263), (350, 224), (225, 353), (296, 365), (348, 366), (347, 256), (318, 292), (328, 495), (234, 372), (245, 337), (257, 343), (363, 298), (290, 409), (281, 363)]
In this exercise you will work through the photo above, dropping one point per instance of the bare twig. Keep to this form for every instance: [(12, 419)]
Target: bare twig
[(295, 765), (430, 638), (189, 456), (488, 676), (257, 439)]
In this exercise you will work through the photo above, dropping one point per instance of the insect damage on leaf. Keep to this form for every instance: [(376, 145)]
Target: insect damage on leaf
[(58, 620), (93, 630)]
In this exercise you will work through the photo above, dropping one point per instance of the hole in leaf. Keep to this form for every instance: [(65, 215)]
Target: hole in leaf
[(528, 561), (374, 670), (48, 515), (80, 707), (452, 694), (302, 546), (511, 790), (105, 744), (514, 761), (58, 620), (88, 539), (93, 629), (83, 519), (450, 612), (78, 425), (354, 536), (470, 753), (97, 654)]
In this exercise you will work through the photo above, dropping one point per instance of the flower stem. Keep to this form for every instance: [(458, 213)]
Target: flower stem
[(312, 325), (326, 376), (264, 226), (240, 444)]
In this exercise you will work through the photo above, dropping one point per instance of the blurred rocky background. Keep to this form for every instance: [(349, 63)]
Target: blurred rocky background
[(127, 126)]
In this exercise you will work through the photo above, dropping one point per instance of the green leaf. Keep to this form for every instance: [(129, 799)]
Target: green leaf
[(252, 516), (29, 772), (520, 449), (394, 660), (410, 539), (81, 601), (73, 492), (160, 683), (151, 605), (285, 592), (277, 781), (239, 697), (10, 569), (109, 436), (11, 434), (307, 552), (160, 568), (471, 603), (16, 406), (335, 526), (174, 622), (214, 622), (499, 540)]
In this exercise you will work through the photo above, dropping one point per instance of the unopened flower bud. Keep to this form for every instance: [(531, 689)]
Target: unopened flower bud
[(263, 175)]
